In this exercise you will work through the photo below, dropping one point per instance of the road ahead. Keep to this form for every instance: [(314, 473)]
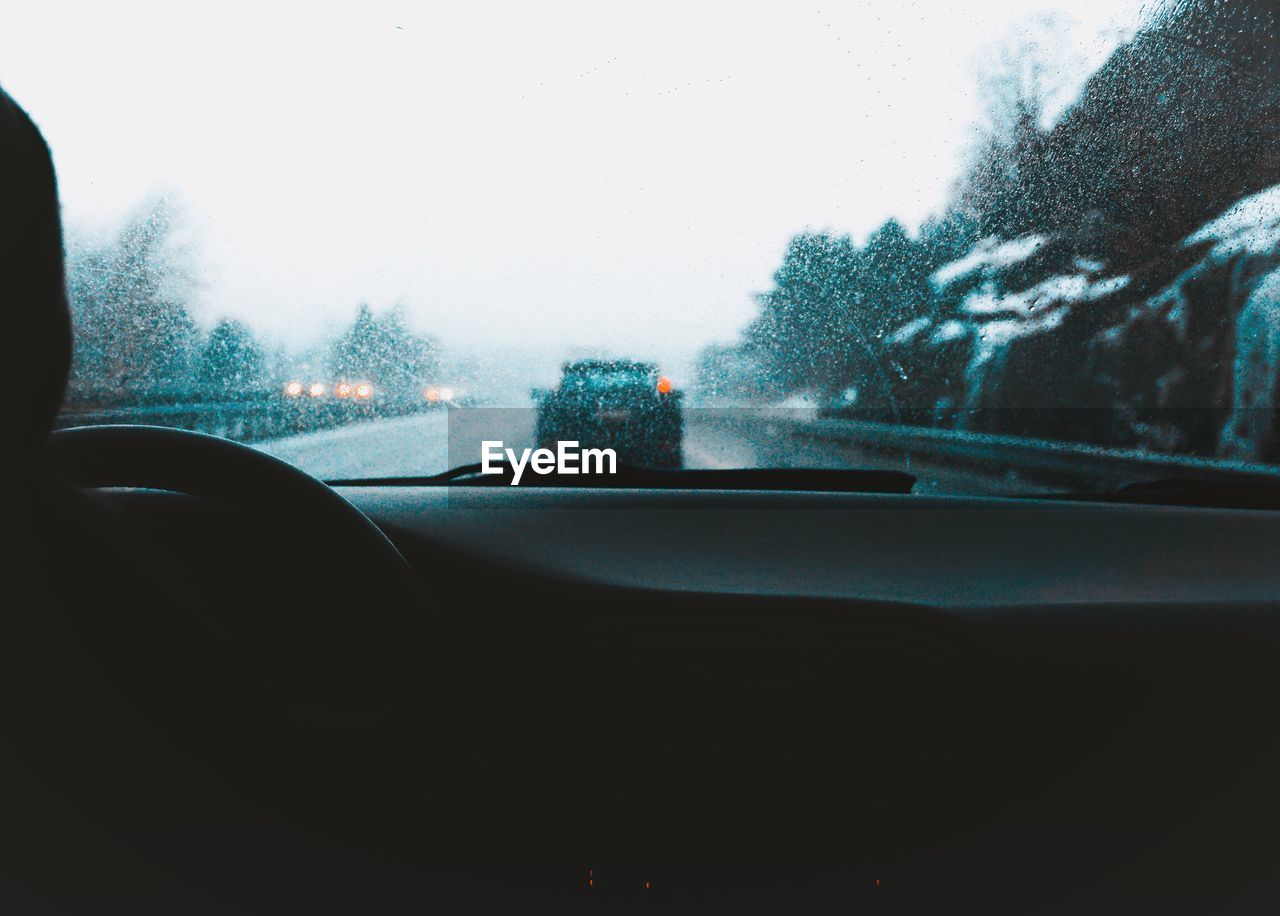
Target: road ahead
[(428, 443)]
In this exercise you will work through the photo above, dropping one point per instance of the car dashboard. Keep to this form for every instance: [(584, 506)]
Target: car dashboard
[(1048, 694), (937, 551)]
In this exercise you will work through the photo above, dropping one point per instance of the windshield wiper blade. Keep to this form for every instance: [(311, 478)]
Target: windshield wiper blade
[(816, 480), (1247, 491)]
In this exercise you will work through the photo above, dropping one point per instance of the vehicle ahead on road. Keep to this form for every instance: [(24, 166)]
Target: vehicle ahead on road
[(619, 404)]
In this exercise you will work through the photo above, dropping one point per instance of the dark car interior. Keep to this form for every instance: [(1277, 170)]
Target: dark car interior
[(1075, 698), (229, 687)]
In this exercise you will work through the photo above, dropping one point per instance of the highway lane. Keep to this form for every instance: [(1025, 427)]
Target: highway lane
[(429, 443), (737, 438), (433, 442), (412, 446), (395, 447)]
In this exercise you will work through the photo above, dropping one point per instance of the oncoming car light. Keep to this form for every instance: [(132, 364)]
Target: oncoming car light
[(432, 395), (446, 394), (316, 390), (342, 389), (293, 389), (364, 390)]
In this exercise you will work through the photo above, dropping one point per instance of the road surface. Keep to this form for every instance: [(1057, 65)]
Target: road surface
[(429, 443)]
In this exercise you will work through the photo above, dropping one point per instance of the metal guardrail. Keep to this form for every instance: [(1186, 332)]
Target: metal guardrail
[(1022, 463), (245, 421), (1039, 461)]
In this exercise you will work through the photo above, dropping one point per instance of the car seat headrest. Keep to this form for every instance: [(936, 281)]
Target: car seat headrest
[(35, 323)]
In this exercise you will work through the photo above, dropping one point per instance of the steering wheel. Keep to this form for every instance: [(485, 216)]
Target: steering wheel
[(226, 472), (344, 656)]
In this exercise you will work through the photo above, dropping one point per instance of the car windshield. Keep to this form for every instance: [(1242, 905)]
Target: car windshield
[(1009, 246)]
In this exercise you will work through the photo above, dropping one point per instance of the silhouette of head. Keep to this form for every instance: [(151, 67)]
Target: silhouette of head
[(35, 324)]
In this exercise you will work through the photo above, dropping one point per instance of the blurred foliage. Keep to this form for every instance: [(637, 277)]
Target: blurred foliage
[(130, 298), (1179, 124), (383, 349), (232, 363), (137, 340)]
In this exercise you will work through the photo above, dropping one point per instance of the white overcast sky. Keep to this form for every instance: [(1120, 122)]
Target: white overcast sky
[(591, 174)]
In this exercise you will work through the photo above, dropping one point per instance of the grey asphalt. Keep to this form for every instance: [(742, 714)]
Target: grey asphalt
[(428, 443)]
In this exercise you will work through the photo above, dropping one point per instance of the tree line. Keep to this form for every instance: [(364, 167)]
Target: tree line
[(138, 340), (1180, 123)]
